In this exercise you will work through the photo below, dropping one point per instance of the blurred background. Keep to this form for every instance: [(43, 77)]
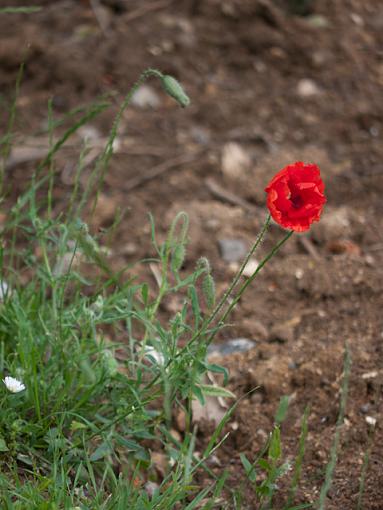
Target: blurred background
[(270, 82)]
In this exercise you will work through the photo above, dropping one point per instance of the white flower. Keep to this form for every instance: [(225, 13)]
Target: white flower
[(13, 384)]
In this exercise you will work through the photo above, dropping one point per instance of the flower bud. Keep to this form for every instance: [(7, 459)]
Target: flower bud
[(174, 89)]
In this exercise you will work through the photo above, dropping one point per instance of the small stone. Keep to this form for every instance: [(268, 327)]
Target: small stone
[(282, 333), (66, 262), (153, 355), (89, 134), (335, 223), (371, 420), (129, 249), (213, 460), (160, 462), (250, 268), (374, 131), (358, 20), (200, 135), (307, 88), (233, 267), (231, 347), (369, 259), (259, 331), (105, 211), (262, 434), (212, 224), (236, 162), (341, 246), (232, 250), (146, 97), (181, 420), (299, 273), (317, 21), (365, 408), (212, 410), (370, 375), (151, 488), (176, 435)]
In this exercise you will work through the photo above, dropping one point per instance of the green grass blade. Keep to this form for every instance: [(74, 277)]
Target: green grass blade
[(334, 449)]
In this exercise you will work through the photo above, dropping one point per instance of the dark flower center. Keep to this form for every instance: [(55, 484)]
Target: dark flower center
[(297, 201)]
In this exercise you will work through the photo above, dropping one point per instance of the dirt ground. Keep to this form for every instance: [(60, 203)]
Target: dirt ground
[(268, 87)]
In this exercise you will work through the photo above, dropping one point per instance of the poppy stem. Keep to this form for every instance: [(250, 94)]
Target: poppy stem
[(272, 252), (203, 330), (233, 284)]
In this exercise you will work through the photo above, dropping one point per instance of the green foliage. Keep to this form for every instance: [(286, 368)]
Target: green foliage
[(321, 504), (19, 10), (84, 414), (264, 473)]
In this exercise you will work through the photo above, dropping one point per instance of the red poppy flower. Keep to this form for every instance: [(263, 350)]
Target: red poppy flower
[(295, 196)]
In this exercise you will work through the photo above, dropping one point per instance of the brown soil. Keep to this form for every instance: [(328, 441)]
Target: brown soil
[(246, 65)]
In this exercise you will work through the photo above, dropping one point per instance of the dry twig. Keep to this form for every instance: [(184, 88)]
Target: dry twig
[(227, 196), (160, 169), (141, 11)]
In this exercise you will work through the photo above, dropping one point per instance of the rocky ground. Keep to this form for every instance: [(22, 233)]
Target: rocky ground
[(268, 87)]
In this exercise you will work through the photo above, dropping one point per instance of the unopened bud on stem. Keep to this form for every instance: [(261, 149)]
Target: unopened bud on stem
[(174, 89)]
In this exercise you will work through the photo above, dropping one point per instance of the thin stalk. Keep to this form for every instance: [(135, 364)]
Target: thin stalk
[(250, 280), (203, 328), (7, 139), (104, 159), (334, 449), (299, 459), (51, 164), (238, 275), (363, 475)]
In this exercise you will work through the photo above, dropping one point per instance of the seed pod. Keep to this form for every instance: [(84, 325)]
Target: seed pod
[(178, 258), (110, 363), (208, 289), (174, 89)]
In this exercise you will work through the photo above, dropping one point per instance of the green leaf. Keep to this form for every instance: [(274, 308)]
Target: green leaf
[(199, 394), (102, 451), (76, 425), (275, 449), (145, 293), (215, 391), (249, 468), (142, 455), (3, 446), (262, 463), (281, 413), (217, 369), (128, 443), (18, 10)]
